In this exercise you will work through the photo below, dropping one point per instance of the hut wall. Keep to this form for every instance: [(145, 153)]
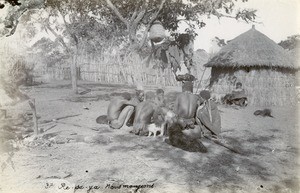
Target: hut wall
[(263, 86)]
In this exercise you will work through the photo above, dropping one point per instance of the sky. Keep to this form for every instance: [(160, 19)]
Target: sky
[(277, 19)]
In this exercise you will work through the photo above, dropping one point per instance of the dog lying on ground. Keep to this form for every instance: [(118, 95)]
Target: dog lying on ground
[(178, 139), (263, 113)]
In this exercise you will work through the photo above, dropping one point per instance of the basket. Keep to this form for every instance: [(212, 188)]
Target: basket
[(157, 32)]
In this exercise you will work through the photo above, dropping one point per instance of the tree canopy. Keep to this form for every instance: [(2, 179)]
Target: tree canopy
[(132, 15), (94, 24), (291, 42)]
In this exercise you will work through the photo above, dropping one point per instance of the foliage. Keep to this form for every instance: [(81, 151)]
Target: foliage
[(11, 2), (95, 24), (135, 14), (130, 16), (14, 11), (291, 42), (45, 51), (220, 42)]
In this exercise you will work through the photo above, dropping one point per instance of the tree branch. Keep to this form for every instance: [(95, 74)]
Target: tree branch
[(116, 11), (150, 23), (142, 13), (134, 13), (68, 29), (60, 39)]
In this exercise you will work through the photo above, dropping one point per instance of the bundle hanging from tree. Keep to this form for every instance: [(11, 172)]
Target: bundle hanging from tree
[(157, 32)]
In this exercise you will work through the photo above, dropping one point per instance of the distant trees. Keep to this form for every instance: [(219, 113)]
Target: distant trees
[(291, 42)]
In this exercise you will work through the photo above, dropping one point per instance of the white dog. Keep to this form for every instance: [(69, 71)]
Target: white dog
[(153, 128)]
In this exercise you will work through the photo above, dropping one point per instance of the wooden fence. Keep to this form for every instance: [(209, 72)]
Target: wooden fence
[(113, 68), (116, 74)]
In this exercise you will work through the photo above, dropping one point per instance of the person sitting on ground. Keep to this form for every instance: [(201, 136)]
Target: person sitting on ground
[(121, 110), (160, 98), (208, 116), (145, 111), (237, 96), (185, 106)]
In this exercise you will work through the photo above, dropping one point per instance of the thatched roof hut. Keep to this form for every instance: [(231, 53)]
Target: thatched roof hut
[(265, 69)]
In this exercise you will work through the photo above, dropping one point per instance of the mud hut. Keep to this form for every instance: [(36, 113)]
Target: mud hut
[(265, 69)]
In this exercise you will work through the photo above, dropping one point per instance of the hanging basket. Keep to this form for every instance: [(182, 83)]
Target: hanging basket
[(157, 32)]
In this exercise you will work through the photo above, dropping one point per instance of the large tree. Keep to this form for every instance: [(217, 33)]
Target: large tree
[(82, 21), (77, 26), (142, 13)]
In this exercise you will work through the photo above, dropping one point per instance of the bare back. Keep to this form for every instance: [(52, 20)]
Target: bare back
[(115, 107), (144, 112), (186, 105)]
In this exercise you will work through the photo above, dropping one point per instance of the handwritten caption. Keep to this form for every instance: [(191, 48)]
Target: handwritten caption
[(64, 186)]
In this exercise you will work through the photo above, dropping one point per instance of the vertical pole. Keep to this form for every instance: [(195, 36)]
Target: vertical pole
[(74, 74), (32, 106)]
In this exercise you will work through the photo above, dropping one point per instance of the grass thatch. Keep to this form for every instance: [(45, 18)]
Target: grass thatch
[(249, 49), (263, 86)]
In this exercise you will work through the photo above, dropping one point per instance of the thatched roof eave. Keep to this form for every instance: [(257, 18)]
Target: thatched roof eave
[(249, 66)]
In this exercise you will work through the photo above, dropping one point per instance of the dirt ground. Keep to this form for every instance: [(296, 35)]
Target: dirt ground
[(75, 154)]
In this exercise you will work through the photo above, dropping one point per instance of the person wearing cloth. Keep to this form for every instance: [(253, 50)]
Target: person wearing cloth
[(237, 96), (208, 116)]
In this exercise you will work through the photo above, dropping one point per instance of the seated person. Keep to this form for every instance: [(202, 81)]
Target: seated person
[(237, 97), (185, 106), (144, 113), (160, 98), (208, 116), (120, 110)]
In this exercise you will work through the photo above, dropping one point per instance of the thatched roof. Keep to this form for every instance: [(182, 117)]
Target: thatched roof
[(249, 49)]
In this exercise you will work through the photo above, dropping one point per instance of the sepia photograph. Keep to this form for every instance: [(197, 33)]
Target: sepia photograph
[(149, 96)]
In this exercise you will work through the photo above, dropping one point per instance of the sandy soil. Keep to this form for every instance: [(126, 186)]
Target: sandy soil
[(76, 151)]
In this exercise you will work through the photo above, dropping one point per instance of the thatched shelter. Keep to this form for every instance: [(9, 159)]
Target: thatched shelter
[(265, 69)]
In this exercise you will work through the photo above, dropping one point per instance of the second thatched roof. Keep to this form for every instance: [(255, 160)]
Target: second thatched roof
[(250, 49)]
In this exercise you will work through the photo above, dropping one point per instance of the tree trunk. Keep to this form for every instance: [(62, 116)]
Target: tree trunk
[(74, 72)]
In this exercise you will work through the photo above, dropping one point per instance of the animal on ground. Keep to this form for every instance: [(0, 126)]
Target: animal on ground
[(178, 139), (264, 113), (153, 129)]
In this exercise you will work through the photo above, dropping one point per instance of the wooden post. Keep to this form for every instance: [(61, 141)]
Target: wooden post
[(74, 74), (32, 106)]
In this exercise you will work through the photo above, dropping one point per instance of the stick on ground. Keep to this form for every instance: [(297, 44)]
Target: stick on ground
[(216, 141)]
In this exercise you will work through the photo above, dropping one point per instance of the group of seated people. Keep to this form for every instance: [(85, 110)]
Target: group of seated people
[(191, 115)]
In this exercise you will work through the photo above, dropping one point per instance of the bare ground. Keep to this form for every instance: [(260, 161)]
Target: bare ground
[(76, 151)]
